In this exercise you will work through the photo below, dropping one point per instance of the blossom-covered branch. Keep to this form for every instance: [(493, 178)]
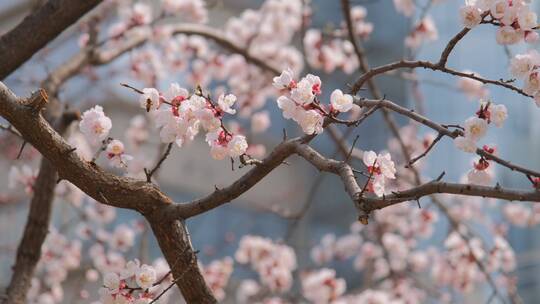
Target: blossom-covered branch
[(442, 130), (108, 189), (105, 54), (438, 66), (235, 78)]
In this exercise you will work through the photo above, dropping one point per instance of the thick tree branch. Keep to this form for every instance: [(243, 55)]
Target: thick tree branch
[(251, 178), (38, 29), (36, 229), (173, 239), (243, 184), (119, 191), (108, 189), (345, 172)]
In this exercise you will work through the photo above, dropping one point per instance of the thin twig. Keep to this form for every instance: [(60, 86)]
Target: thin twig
[(444, 130), (21, 149), (132, 87), (433, 143), (352, 149), (156, 167), (175, 280)]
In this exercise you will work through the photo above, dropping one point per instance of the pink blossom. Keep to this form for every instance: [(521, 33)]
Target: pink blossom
[(322, 286), (95, 125), (341, 102)]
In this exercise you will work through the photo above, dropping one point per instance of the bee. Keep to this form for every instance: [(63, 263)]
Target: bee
[(148, 104)]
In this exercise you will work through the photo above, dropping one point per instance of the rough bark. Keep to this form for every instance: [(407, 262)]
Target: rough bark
[(35, 231), (37, 224), (112, 190), (173, 239), (38, 29)]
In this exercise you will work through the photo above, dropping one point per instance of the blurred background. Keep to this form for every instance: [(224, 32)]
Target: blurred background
[(299, 188)]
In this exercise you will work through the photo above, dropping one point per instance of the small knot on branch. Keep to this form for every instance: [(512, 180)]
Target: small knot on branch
[(438, 179), (37, 101)]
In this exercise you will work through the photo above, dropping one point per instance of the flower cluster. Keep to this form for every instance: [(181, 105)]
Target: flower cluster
[(116, 155), (338, 52), (246, 290), (217, 274), (514, 18), (302, 105), (380, 167), (273, 262), (525, 66), (59, 256), (191, 10), (475, 128), (459, 267), (95, 125), (391, 247), (331, 248), (501, 256), (179, 116), (267, 32), (131, 285), (322, 286), (133, 16)]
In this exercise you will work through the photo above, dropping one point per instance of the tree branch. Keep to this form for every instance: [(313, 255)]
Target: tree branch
[(439, 66), (441, 130), (173, 239), (158, 164), (38, 29), (434, 187), (364, 67), (105, 54), (427, 65), (120, 191), (36, 229), (108, 189), (243, 184)]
